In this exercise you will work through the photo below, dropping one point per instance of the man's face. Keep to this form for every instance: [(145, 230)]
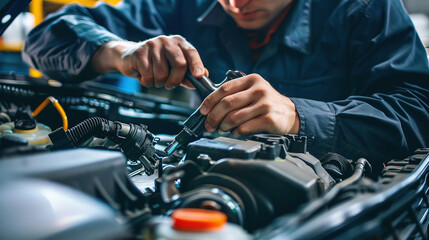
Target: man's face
[(254, 14)]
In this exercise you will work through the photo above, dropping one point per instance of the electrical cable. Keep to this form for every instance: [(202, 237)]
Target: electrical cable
[(57, 106)]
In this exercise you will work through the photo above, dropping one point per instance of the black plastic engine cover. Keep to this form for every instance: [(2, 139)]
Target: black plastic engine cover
[(285, 184), (223, 147)]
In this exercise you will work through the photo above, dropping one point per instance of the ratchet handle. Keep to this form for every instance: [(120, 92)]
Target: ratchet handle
[(205, 86)]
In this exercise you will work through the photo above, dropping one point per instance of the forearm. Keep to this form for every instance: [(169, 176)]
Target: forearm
[(62, 46), (378, 127), (65, 43)]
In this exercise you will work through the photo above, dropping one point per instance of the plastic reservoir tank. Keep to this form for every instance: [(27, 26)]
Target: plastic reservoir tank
[(37, 136)]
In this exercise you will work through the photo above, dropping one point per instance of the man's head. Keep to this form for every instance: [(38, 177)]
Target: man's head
[(254, 14)]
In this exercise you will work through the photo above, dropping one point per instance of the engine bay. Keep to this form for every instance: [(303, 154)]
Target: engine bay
[(101, 155)]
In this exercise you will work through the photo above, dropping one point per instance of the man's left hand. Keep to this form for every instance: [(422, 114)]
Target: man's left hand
[(249, 105)]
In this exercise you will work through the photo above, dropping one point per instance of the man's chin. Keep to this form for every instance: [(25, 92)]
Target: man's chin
[(250, 25)]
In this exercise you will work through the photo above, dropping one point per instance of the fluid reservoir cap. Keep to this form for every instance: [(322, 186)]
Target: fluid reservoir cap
[(24, 120), (198, 220), (25, 124)]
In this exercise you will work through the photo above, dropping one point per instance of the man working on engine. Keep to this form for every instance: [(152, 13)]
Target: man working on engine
[(353, 76)]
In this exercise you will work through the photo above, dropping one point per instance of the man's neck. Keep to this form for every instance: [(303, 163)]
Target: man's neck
[(259, 38)]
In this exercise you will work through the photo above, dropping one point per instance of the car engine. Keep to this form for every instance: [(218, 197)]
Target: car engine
[(88, 161)]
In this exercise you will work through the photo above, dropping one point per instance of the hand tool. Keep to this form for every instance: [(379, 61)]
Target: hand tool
[(193, 127)]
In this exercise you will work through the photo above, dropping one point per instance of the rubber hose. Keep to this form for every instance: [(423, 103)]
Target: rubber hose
[(95, 126)]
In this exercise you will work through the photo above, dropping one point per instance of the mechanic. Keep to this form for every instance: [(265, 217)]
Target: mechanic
[(353, 76)]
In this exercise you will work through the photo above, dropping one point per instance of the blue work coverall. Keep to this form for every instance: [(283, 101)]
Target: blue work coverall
[(355, 69)]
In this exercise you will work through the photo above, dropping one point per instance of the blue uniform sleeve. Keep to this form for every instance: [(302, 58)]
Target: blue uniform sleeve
[(63, 44), (387, 115)]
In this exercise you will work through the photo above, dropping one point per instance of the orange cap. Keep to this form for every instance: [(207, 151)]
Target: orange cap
[(197, 220)]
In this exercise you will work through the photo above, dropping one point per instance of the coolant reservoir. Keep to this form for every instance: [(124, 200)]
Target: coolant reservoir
[(37, 136), (190, 224)]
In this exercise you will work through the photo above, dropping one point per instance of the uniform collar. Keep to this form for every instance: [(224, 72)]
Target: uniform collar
[(294, 33)]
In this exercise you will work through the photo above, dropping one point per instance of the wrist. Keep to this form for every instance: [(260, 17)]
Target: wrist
[(296, 124), (107, 57), (294, 120)]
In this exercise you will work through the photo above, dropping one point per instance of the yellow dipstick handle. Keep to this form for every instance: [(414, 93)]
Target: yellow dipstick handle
[(57, 106)]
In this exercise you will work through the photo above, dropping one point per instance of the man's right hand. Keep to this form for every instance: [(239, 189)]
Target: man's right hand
[(159, 61)]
